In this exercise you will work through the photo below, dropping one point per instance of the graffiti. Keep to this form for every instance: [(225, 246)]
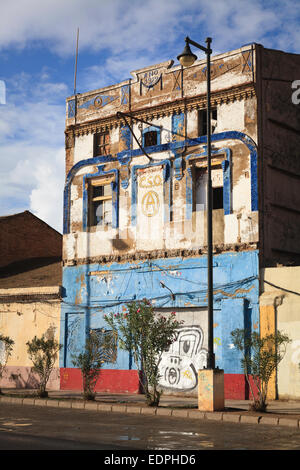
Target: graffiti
[(149, 181), (178, 367), (150, 204)]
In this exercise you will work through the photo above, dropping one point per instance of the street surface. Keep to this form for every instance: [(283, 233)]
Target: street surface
[(25, 427)]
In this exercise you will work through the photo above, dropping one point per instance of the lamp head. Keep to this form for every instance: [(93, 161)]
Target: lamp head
[(186, 58)]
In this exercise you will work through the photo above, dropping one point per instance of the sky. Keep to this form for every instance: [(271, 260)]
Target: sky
[(37, 62)]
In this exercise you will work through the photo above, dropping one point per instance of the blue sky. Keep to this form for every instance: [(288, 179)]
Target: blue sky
[(37, 55)]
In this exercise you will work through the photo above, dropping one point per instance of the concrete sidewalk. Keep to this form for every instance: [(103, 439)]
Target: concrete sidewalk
[(282, 413)]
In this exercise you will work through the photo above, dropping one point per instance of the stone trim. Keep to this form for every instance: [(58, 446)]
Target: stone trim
[(29, 294), (155, 254)]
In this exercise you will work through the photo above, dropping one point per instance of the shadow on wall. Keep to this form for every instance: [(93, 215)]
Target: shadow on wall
[(25, 378), (20, 381), (281, 288)]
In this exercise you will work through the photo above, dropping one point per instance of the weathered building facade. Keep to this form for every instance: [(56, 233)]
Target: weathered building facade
[(135, 209), (30, 293)]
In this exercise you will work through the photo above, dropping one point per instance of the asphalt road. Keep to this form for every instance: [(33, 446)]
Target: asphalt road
[(25, 427)]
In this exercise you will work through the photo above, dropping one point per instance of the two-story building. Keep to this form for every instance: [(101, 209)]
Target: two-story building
[(135, 207)]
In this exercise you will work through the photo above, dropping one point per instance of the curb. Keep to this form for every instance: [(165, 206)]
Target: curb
[(176, 413)]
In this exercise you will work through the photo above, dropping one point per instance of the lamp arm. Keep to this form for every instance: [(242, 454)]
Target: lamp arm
[(205, 49)]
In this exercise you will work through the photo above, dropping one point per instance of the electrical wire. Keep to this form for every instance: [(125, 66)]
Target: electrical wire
[(199, 293)]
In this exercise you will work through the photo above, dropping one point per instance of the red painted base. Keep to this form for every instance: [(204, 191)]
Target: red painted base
[(236, 387), (127, 381), (110, 380)]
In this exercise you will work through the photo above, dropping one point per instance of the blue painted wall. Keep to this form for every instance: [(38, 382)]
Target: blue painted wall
[(88, 298)]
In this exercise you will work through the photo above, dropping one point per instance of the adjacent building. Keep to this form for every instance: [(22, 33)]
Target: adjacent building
[(135, 208), (30, 293)]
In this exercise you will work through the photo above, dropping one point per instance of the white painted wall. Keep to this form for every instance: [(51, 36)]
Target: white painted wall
[(83, 147), (231, 117)]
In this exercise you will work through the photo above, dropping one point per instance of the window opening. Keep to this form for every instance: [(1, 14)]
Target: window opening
[(150, 138), (217, 194), (202, 120), (101, 144), (100, 202), (200, 198)]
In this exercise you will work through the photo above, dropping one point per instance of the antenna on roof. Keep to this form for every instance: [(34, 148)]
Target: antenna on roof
[(76, 56)]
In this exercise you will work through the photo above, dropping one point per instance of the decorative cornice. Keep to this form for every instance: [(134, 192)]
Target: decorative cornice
[(165, 109)]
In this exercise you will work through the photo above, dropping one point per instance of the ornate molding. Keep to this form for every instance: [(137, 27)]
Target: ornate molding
[(165, 109)]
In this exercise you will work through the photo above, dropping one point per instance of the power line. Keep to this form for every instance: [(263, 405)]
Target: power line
[(202, 292)]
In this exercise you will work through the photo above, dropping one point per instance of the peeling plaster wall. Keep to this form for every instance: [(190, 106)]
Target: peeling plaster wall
[(83, 147), (158, 231), (163, 84), (97, 289), (21, 321), (178, 229), (254, 152), (153, 87)]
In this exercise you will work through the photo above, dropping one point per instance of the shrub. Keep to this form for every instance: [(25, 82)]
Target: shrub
[(7, 346), (90, 362), (261, 356), (43, 353), (146, 335)]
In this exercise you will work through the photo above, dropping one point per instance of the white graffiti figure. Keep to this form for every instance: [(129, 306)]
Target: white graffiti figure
[(178, 367)]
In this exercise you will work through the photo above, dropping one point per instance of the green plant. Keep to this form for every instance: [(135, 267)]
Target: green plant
[(261, 356), (7, 347), (146, 335), (90, 362), (43, 353)]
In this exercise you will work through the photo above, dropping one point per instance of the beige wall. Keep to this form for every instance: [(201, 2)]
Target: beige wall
[(21, 321), (281, 290)]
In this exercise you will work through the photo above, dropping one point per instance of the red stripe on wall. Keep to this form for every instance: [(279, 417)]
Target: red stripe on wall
[(127, 381), (237, 388), (110, 380)]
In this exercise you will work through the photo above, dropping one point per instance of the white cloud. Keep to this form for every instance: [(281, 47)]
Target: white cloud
[(126, 35), (32, 148), (46, 199), (117, 26), (102, 23), (32, 178)]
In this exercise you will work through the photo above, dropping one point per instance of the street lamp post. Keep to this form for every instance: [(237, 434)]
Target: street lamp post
[(210, 380), (187, 58)]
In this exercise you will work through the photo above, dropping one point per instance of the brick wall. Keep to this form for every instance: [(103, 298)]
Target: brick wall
[(24, 236)]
